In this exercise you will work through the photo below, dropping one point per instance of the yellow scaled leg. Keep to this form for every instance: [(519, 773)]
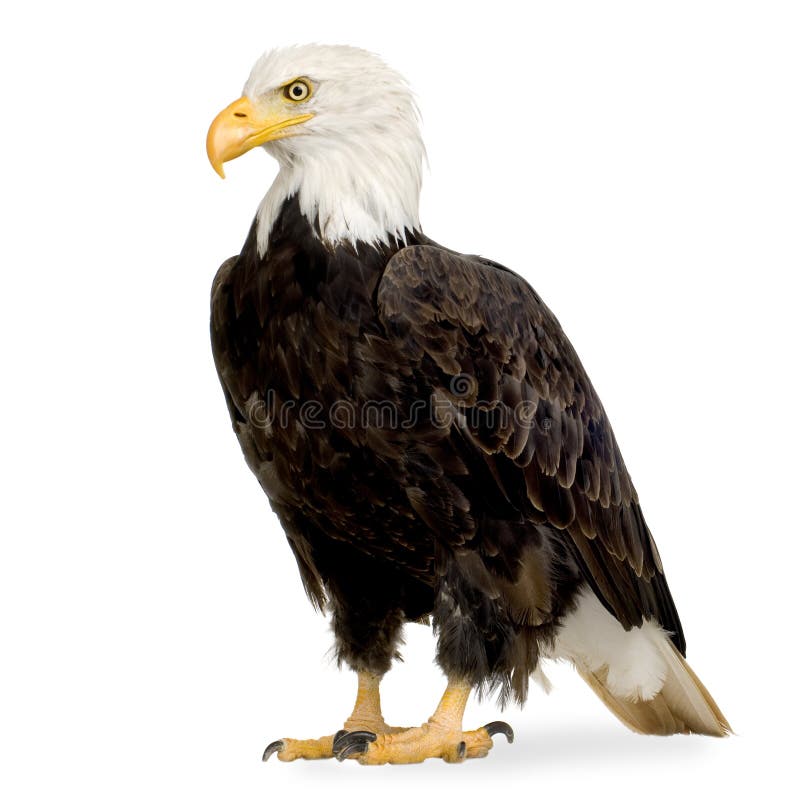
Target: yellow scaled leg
[(366, 717), (440, 737)]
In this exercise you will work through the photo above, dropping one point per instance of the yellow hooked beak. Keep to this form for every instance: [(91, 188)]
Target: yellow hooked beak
[(241, 127)]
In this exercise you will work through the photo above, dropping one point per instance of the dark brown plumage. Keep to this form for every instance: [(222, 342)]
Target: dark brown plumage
[(432, 446)]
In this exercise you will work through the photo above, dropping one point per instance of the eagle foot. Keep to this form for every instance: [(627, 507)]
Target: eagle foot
[(431, 740), (366, 720), (440, 737), (325, 746)]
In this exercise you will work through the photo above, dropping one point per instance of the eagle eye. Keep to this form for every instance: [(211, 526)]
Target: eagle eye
[(297, 91)]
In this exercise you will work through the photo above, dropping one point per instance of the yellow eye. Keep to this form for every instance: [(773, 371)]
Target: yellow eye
[(297, 91)]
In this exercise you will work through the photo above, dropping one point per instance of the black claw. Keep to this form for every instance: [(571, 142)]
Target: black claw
[(338, 736), (500, 727), (349, 737), (352, 742), (352, 749), (275, 747), (462, 750)]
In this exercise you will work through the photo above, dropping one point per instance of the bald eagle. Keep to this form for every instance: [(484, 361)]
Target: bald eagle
[(425, 431)]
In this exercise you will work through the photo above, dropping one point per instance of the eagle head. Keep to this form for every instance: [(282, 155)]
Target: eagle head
[(344, 129)]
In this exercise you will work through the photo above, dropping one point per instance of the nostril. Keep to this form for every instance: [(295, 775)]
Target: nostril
[(239, 114)]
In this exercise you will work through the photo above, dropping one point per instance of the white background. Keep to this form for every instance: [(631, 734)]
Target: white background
[(637, 162)]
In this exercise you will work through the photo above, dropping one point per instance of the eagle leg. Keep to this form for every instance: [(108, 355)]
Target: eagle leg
[(440, 737), (366, 718)]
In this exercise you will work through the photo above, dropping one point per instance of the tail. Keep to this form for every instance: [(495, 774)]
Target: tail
[(639, 673), (683, 704)]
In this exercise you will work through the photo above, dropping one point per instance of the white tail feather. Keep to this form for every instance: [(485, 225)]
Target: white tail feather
[(683, 705), (639, 674)]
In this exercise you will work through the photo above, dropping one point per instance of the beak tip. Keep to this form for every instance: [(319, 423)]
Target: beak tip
[(216, 163)]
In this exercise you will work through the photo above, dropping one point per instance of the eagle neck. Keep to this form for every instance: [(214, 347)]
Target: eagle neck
[(348, 195)]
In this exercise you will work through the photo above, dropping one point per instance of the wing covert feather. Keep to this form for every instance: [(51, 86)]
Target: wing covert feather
[(521, 396)]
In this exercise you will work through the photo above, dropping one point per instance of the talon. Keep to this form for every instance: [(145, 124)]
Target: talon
[(351, 742), (462, 751), (500, 727), (354, 748), (353, 737), (275, 747), (338, 736)]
